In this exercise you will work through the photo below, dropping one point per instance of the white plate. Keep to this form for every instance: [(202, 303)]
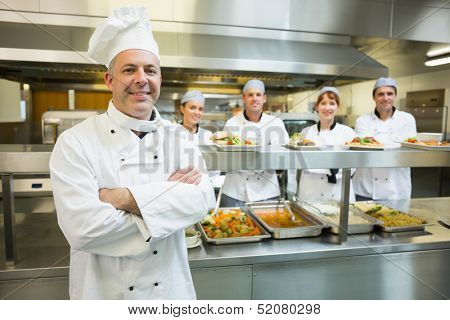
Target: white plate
[(445, 220), (295, 147), (199, 242), (225, 147), (387, 146), (422, 147)]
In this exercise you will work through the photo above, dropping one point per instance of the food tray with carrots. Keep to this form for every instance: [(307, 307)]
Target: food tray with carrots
[(231, 225)]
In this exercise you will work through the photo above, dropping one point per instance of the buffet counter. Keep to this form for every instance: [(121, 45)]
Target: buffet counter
[(404, 265), (34, 256)]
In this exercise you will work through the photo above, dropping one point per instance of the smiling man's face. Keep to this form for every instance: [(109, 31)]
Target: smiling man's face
[(135, 82)]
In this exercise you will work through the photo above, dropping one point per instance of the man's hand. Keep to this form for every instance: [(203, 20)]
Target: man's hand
[(188, 175), (120, 198)]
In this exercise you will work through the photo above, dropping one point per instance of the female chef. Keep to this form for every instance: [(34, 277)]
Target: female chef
[(192, 107), (325, 184)]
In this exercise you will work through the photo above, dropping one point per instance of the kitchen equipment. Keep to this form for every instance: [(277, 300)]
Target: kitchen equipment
[(233, 240), (56, 122), (329, 212), (311, 225)]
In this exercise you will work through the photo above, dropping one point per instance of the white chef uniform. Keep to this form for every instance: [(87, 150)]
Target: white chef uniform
[(385, 183), (203, 137), (314, 185), (111, 254), (255, 185)]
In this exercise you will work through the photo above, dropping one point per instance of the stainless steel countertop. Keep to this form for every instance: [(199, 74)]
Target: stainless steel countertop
[(35, 158), (44, 252)]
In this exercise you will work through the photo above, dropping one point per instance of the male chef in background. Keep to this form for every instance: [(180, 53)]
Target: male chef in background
[(387, 125), (126, 183), (254, 125)]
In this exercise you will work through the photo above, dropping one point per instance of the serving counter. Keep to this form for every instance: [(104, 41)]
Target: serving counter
[(377, 265)]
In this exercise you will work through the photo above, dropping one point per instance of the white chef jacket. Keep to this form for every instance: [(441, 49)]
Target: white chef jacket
[(314, 184), (385, 183), (111, 255), (255, 185), (203, 137)]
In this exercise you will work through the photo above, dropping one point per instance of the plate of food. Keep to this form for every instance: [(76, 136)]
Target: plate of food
[(393, 220), (426, 145), (225, 141), (231, 225), (360, 143), (298, 142)]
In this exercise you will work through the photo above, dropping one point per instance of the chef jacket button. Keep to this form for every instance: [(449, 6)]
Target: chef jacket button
[(321, 194), (321, 178), (155, 252), (258, 178), (376, 179), (112, 131), (122, 159), (155, 157), (131, 288), (387, 179), (156, 284), (248, 179)]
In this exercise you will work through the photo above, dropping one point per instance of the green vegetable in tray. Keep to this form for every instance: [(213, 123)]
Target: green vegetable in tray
[(374, 209)]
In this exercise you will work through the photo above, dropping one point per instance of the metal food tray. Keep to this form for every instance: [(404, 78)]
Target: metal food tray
[(283, 233), (422, 147), (353, 228), (416, 227), (264, 234)]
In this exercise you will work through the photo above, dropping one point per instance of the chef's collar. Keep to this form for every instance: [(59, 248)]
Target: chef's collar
[(128, 122), (246, 118), (196, 130), (331, 128), (378, 114)]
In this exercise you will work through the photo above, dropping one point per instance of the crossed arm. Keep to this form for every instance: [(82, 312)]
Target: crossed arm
[(122, 198)]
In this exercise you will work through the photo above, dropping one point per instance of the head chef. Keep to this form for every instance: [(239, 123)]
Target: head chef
[(124, 43)]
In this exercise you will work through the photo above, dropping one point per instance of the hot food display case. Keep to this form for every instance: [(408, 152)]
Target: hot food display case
[(377, 265)]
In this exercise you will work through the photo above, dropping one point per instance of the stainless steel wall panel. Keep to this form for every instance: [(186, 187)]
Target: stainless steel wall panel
[(25, 5), (421, 23), (249, 13), (157, 9), (351, 17)]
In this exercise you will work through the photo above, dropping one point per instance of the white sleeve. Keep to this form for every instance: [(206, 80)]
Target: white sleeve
[(406, 130), (168, 207), (88, 223)]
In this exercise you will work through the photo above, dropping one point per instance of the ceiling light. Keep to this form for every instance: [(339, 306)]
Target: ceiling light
[(437, 50), (437, 61)]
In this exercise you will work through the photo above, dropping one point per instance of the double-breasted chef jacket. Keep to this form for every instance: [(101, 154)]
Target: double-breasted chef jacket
[(385, 183), (255, 185), (314, 185), (118, 255)]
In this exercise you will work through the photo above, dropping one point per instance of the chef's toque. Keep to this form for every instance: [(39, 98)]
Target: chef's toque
[(329, 89), (126, 28), (385, 82), (254, 84), (193, 95)]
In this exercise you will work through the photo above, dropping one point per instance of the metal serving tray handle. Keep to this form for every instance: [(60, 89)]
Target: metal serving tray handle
[(416, 227), (283, 233), (219, 241), (353, 228)]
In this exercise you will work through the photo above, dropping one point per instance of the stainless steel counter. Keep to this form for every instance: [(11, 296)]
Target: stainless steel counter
[(43, 254), (35, 158)]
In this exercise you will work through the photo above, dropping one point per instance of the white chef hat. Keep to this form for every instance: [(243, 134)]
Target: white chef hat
[(385, 82), (329, 89), (126, 28), (193, 95), (255, 84)]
